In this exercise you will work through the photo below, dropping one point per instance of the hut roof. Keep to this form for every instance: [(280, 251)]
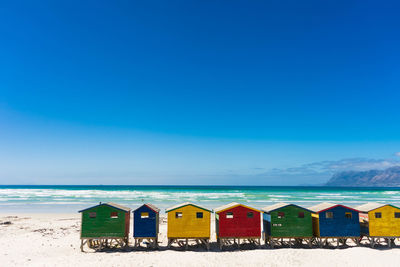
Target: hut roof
[(233, 205), (276, 206), (150, 206), (111, 204), (185, 204), (326, 206), (372, 206)]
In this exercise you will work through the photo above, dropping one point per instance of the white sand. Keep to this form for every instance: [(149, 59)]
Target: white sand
[(53, 240)]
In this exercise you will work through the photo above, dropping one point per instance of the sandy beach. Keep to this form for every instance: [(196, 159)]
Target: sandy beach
[(53, 240)]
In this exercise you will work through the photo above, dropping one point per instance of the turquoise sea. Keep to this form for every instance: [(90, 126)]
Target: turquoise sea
[(66, 199)]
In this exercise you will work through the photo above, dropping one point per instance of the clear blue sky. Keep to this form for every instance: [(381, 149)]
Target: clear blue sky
[(197, 92)]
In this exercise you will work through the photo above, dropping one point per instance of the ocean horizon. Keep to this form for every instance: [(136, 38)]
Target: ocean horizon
[(72, 198)]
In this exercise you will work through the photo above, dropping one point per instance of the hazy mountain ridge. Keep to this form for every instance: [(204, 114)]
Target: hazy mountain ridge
[(380, 178)]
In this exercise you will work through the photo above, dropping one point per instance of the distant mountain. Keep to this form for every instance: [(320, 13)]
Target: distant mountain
[(379, 178)]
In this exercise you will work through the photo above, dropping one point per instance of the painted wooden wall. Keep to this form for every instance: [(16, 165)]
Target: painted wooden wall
[(291, 225), (145, 227), (103, 225), (388, 225), (339, 225), (240, 225), (189, 226)]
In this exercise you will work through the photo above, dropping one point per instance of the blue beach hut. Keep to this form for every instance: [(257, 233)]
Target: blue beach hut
[(145, 225), (335, 222)]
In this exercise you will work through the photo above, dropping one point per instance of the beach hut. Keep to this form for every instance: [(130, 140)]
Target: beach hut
[(380, 222), (236, 222), (188, 222), (145, 225), (105, 225), (287, 224), (335, 222)]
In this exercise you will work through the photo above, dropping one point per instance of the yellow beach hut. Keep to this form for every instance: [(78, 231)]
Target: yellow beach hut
[(188, 222), (380, 222)]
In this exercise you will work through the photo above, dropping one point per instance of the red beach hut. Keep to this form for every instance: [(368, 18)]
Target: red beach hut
[(236, 222)]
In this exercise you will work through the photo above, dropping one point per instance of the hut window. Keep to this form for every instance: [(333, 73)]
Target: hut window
[(281, 215), (178, 215), (348, 215), (92, 214), (397, 214), (199, 215), (301, 215), (378, 215), (114, 214), (229, 215), (144, 215), (329, 215), (250, 214)]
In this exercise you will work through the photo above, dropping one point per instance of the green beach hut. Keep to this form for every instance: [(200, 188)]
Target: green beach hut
[(287, 224), (105, 225)]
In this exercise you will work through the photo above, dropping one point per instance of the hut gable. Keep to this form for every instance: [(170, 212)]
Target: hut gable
[(367, 207), (110, 204), (236, 220), (233, 205), (380, 220), (322, 206), (287, 220), (105, 220), (333, 220), (188, 220), (184, 205), (154, 208), (146, 221), (274, 207)]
